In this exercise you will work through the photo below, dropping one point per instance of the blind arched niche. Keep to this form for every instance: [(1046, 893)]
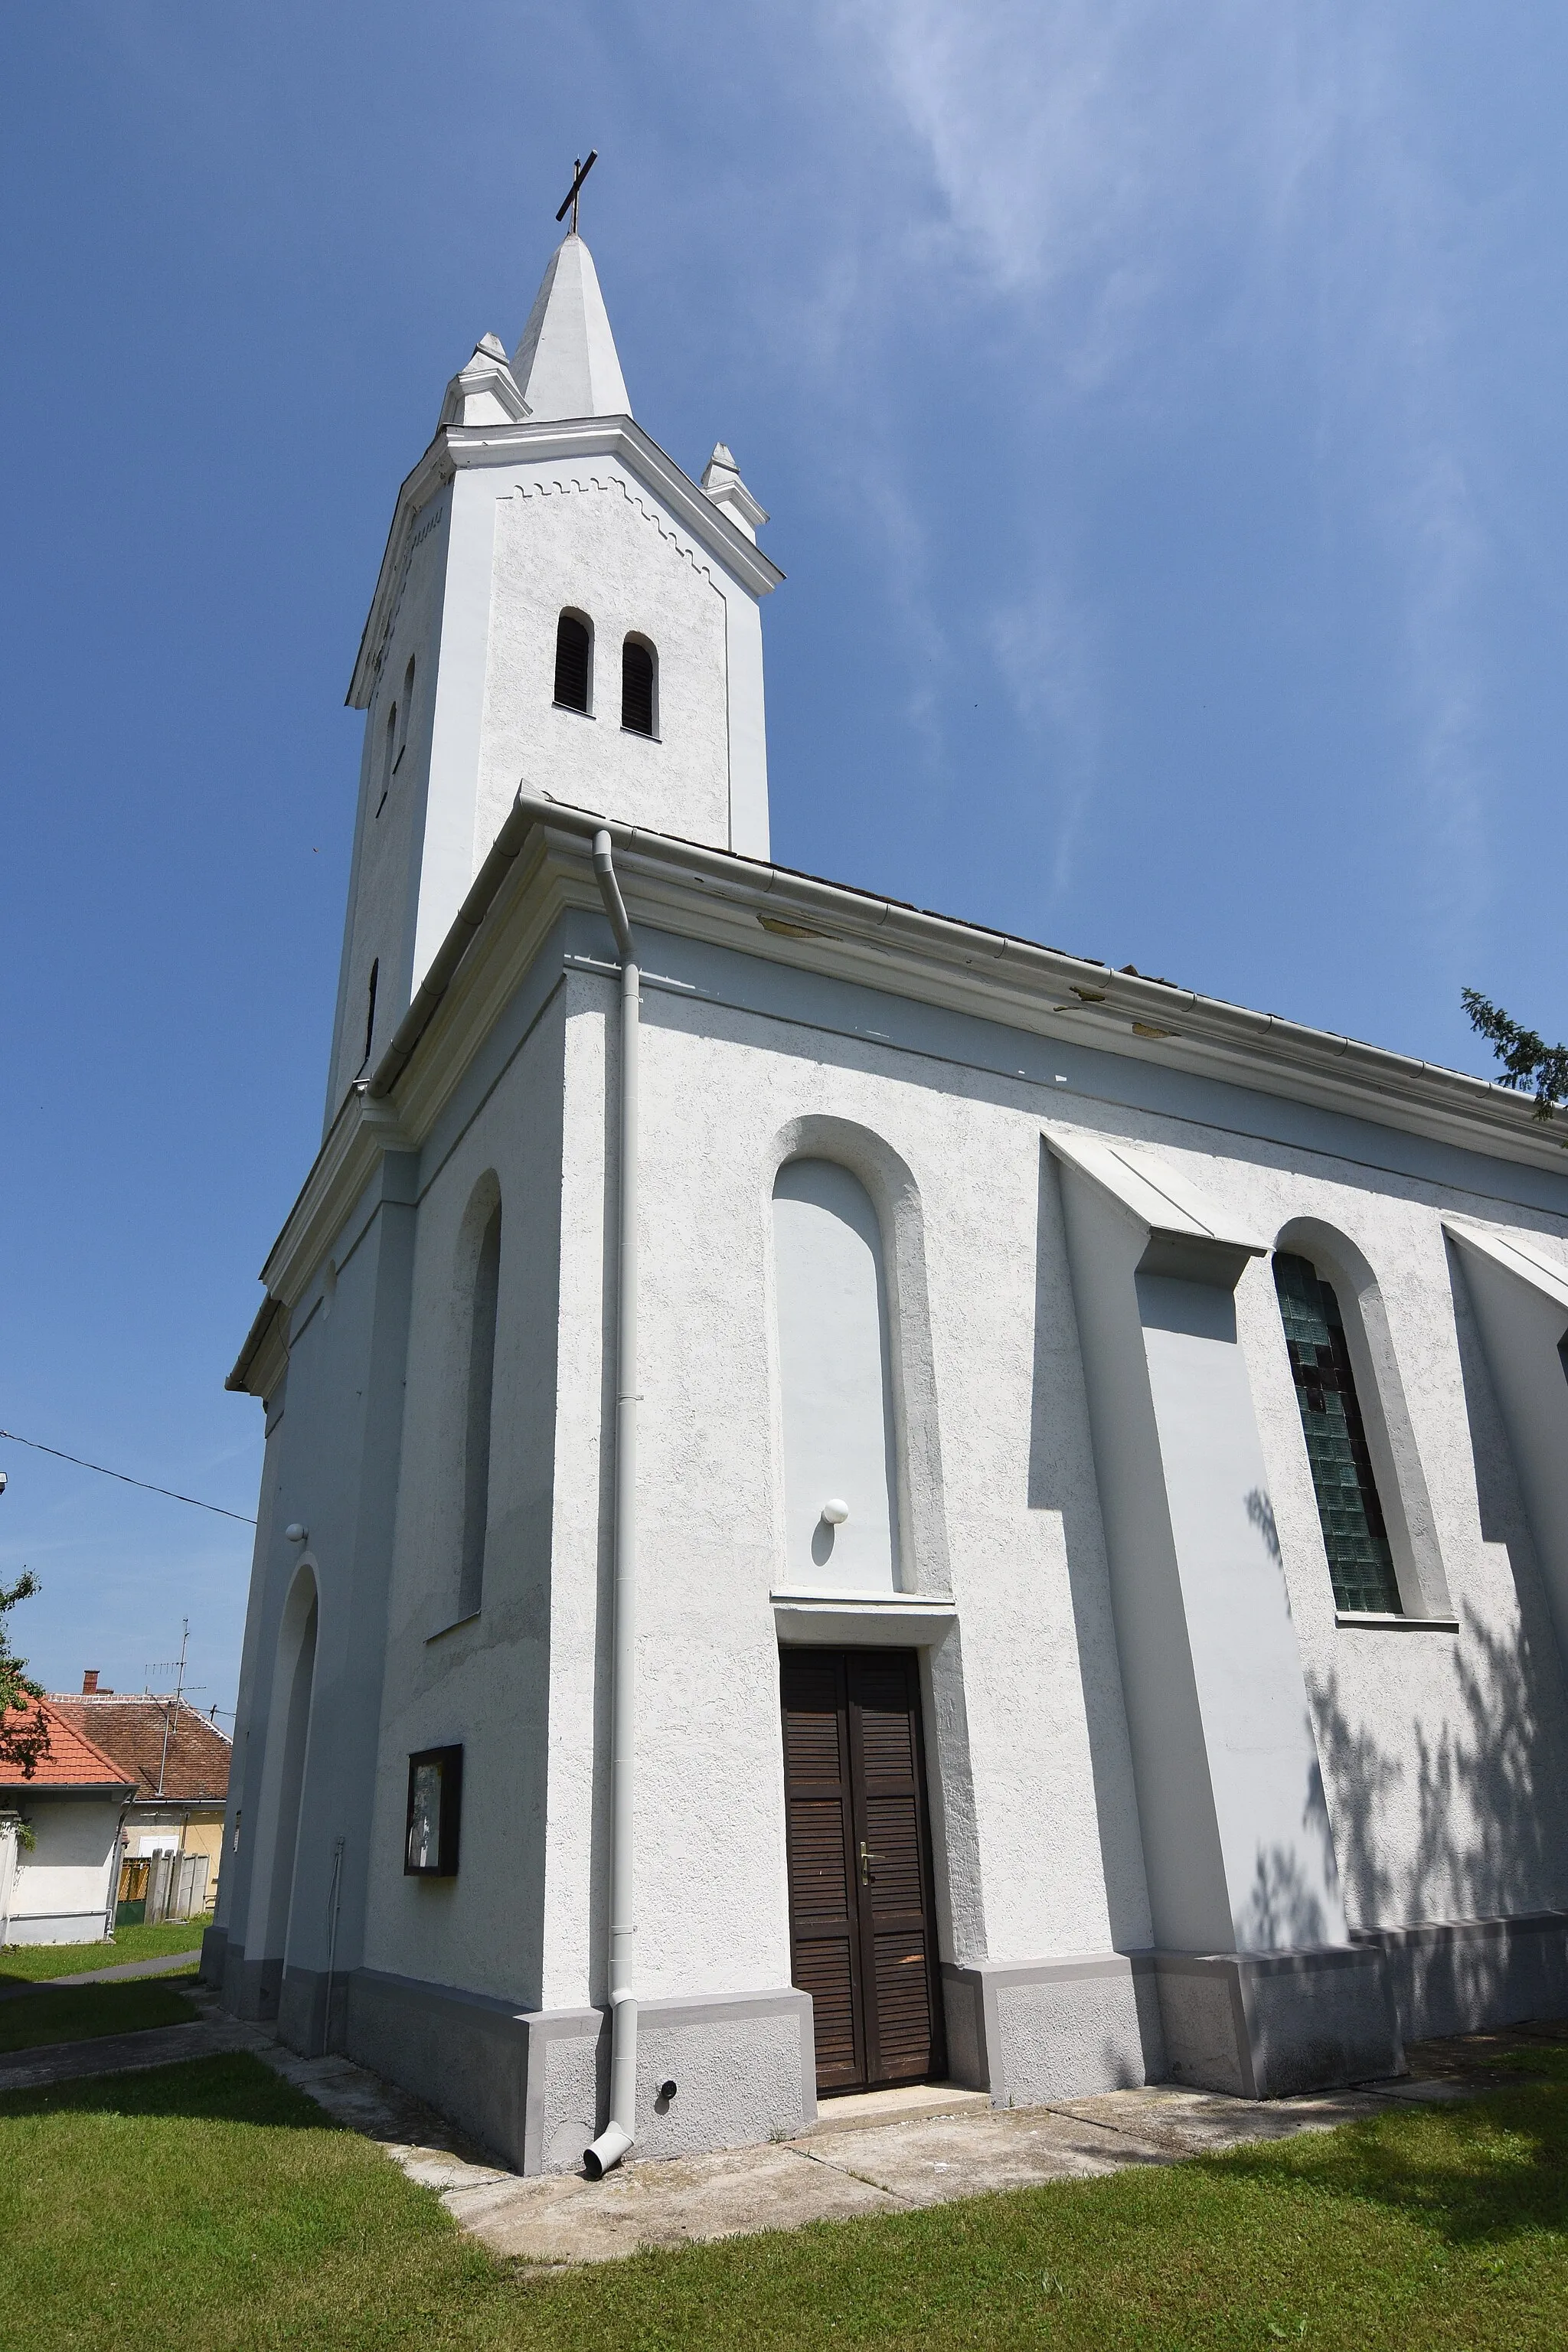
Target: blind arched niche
[(835, 1380)]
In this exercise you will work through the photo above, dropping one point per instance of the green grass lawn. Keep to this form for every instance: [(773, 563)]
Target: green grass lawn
[(215, 2192), (34, 1963), (81, 2012)]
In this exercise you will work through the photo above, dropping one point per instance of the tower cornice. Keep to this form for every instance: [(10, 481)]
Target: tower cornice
[(459, 448)]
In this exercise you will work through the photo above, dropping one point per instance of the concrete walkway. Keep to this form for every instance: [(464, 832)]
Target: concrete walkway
[(126, 2053), (883, 2152), (170, 1965)]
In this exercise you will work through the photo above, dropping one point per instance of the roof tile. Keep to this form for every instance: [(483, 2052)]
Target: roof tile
[(130, 1730), (71, 1760)]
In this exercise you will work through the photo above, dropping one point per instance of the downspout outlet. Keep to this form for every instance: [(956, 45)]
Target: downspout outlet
[(607, 2150)]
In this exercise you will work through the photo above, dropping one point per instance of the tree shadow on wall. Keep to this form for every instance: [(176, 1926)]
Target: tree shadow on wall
[(1485, 1811), (1490, 1781), (1284, 1906)]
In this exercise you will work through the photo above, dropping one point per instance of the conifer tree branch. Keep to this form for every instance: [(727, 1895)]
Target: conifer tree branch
[(1527, 1061)]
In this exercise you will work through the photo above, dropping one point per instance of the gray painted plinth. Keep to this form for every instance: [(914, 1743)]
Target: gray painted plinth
[(1257, 2024), (1461, 1976), (533, 2084), (303, 2011), (1054, 2029), (1262, 2025), (251, 1988)]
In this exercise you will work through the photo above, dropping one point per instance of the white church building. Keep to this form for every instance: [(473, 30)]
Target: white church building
[(850, 1499)]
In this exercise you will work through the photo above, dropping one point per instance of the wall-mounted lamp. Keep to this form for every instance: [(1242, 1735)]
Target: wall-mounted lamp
[(295, 1533), (835, 1512)]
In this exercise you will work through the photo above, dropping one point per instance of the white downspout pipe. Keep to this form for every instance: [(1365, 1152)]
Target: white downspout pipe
[(621, 2130)]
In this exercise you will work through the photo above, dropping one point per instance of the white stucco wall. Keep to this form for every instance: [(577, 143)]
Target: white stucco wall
[(389, 833), (61, 1888), (1443, 1752), (482, 1683), (593, 538), (493, 558)]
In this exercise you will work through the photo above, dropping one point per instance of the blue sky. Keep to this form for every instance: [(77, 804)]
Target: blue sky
[(1160, 411)]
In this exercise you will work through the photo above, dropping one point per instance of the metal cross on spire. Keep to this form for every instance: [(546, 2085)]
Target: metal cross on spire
[(570, 201)]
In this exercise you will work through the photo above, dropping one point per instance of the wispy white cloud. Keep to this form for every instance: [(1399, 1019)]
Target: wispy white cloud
[(1134, 196)]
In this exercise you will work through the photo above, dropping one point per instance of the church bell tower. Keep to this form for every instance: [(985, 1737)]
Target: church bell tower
[(559, 606)]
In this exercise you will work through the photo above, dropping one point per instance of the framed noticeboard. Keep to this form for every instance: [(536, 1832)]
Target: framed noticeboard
[(435, 1814)]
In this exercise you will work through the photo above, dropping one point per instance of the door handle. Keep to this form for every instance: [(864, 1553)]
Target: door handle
[(866, 1859)]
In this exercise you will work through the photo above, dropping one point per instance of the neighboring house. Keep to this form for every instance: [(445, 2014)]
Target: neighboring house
[(1092, 1473), (63, 1887), (179, 1761)]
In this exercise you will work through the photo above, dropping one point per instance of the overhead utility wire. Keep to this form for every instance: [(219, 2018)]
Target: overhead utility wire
[(146, 1483)]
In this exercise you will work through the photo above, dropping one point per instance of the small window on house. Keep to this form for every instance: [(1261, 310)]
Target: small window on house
[(573, 661), (637, 671), (476, 1432), (370, 1008), (1356, 1535)]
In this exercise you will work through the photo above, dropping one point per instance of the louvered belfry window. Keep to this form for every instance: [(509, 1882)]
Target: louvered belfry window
[(1356, 1534), (636, 686), (572, 645)]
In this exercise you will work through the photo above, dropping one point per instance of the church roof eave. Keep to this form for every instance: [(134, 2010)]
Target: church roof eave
[(773, 912), (456, 448)]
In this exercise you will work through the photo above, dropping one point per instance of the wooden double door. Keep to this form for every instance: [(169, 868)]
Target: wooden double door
[(862, 1930)]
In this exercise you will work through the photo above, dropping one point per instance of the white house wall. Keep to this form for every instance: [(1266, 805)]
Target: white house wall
[(62, 1888)]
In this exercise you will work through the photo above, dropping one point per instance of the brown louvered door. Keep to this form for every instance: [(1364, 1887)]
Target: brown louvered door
[(859, 1865)]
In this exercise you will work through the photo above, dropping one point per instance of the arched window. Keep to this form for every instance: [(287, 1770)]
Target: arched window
[(1355, 1532), (388, 756), (835, 1375), (477, 1419), (573, 661), (407, 712), (370, 1008), (639, 672), (283, 1778)]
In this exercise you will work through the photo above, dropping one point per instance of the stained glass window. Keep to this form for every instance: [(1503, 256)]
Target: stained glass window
[(1356, 1534)]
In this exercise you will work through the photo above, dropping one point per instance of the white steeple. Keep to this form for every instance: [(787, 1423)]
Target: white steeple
[(565, 365), (560, 602)]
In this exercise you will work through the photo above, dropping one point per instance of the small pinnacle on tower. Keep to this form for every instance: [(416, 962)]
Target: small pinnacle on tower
[(722, 480)]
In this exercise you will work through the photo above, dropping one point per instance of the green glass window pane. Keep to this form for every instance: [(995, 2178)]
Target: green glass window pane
[(1356, 1534)]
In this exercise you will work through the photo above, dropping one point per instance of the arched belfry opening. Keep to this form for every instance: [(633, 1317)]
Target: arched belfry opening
[(574, 662), (640, 687)]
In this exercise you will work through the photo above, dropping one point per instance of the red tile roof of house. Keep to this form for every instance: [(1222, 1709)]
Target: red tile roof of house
[(70, 1761), (195, 1763)]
